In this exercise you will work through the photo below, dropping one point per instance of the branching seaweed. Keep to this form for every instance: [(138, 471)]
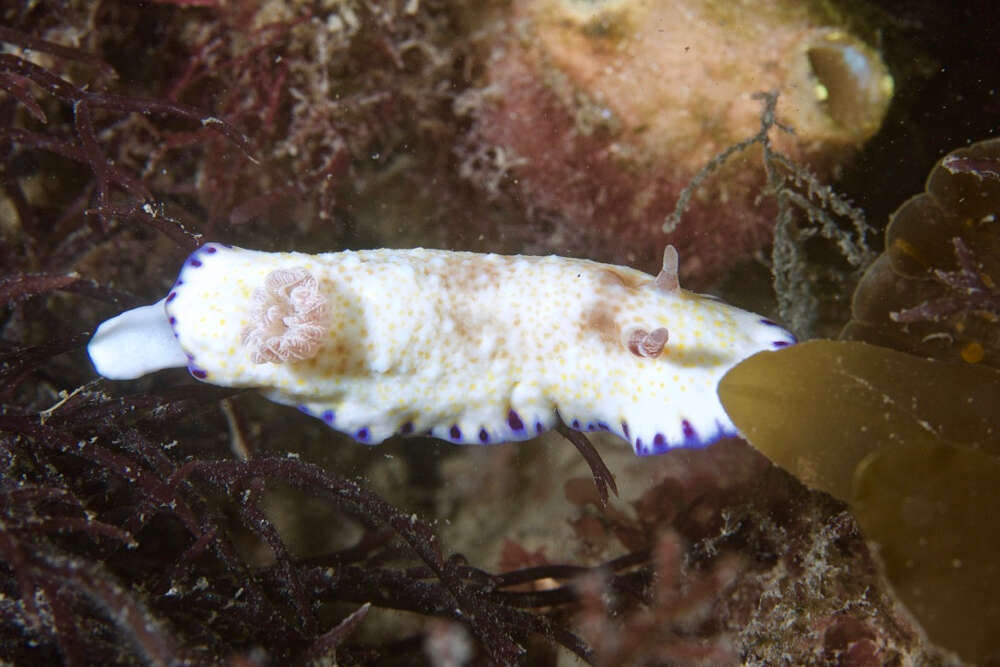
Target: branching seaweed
[(84, 428), (797, 192), (970, 290), (138, 203), (317, 91)]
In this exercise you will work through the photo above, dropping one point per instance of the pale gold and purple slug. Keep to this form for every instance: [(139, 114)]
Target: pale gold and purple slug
[(466, 347)]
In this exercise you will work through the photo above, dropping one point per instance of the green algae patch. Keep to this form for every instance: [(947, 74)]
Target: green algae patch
[(913, 445)]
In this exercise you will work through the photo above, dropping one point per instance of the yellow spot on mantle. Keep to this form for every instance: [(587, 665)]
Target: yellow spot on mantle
[(973, 353)]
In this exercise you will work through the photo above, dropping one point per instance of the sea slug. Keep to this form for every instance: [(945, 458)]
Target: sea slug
[(469, 348)]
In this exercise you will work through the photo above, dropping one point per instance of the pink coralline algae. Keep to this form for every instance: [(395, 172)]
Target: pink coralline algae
[(600, 113)]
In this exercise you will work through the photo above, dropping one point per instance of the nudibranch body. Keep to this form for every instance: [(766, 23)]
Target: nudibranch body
[(466, 347)]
